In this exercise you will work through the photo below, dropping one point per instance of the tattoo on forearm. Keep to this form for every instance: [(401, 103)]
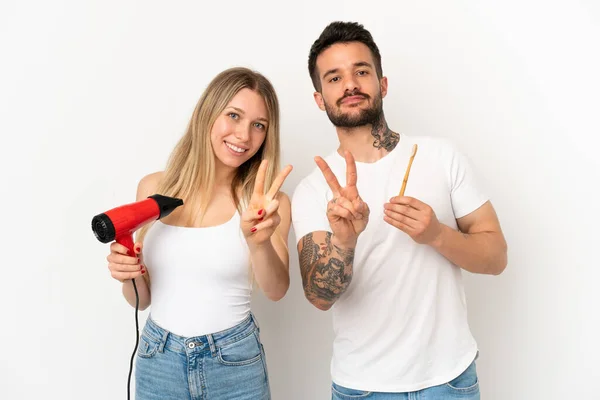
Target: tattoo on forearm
[(384, 137), (326, 269), (347, 254)]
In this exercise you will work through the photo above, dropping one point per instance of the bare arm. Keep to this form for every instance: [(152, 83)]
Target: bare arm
[(326, 258), (479, 247), (270, 259), (146, 187), (326, 268)]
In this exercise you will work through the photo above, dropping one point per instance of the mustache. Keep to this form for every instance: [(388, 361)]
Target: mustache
[(353, 93)]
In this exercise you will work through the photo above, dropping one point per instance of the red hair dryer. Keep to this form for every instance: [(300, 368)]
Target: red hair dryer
[(120, 223)]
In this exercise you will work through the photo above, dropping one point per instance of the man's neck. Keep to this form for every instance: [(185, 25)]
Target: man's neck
[(368, 143)]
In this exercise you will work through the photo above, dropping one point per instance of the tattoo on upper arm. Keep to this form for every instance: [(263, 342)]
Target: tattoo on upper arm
[(326, 269), (310, 251)]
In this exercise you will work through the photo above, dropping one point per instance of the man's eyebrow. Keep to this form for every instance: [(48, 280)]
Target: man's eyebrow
[(363, 64), (263, 119), (356, 64), (330, 72)]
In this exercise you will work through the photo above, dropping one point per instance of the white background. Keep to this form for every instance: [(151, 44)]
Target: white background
[(94, 95)]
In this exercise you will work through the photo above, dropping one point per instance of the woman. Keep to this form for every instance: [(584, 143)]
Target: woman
[(200, 262)]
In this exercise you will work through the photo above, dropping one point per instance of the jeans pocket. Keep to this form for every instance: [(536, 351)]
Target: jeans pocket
[(466, 383), (245, 351), (344, 393), (148, 346)]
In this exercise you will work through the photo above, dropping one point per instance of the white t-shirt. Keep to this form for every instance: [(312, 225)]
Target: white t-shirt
[(402, 323)]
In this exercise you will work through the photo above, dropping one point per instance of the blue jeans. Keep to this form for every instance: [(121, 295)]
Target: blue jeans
[(463, 387), (225, 365)]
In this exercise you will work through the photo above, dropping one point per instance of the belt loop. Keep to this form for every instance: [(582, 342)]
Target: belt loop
[(211, 344), (163, 341)]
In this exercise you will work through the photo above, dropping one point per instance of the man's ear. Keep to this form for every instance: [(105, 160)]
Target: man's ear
[(319, 100), (384, 86)]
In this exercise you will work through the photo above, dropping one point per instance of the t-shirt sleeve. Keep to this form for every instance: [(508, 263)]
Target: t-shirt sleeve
[(466, 192), (309, 208)]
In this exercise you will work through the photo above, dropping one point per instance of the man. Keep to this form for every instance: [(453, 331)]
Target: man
[(389, 266)]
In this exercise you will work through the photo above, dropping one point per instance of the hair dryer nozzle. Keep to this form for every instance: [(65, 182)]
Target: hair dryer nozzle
[(166, 204), (103, 228)]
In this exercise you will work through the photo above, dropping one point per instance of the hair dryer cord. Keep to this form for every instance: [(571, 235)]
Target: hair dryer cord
[(137, 339)]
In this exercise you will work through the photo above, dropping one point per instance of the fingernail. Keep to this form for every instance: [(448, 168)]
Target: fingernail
[(141, 267), (261, 218), (260, 211), (138, 260), (137, 249), (253, 229), (143, 271)]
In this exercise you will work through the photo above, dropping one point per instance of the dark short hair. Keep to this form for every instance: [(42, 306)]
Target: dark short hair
[(341, 32)]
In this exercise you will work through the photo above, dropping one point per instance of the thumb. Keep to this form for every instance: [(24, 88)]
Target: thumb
[(272, 207)]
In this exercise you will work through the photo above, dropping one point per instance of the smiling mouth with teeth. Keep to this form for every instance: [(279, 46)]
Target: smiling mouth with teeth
[(235, 148)]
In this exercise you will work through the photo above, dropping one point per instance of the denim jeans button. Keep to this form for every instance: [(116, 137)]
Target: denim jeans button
[(191, 345)]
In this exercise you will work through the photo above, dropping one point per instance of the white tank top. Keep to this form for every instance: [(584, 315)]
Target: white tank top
[(200, 277)]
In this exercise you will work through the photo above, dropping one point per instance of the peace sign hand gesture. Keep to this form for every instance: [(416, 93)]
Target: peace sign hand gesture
[(261, 218), (347, 213)]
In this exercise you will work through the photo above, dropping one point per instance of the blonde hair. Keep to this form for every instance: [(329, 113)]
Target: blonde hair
[(190, 171)]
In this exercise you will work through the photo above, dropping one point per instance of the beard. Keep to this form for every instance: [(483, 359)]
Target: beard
[(370, 115)]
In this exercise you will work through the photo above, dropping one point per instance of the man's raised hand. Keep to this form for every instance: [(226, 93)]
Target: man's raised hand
[(347, 213)]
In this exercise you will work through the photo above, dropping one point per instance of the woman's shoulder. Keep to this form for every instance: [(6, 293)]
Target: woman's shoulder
[(284, 202), (282, 197), (148, 184)]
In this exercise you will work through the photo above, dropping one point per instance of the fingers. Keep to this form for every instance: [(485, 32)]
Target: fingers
[(121, 265), (121, 259), (121, 272), (278, 182), (404, 210), (407, 222), (118, 267), (398, 224), (118, 248), (252, 214), (266, 224), (347, 204), (259, 183), (361, 206), (267, 218), (409, 201), (335, 210), (351, 176), (272, 207), (330, 178)]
